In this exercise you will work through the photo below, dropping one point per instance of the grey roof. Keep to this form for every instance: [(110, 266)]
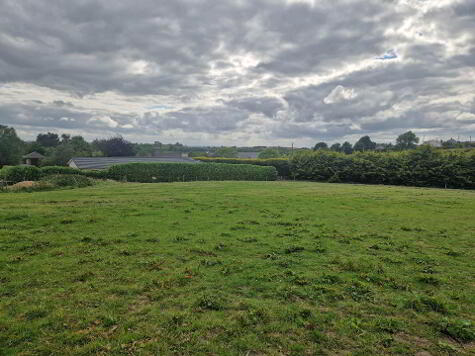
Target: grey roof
[(34, 154), (105, 162), (248, 154)]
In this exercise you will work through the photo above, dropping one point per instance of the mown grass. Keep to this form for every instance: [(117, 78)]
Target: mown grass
[(237, 268)]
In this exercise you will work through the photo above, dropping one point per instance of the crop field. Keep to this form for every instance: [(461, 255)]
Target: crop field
[(237, 268)]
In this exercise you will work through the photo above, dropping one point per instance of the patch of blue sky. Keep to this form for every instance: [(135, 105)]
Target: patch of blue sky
[(391, 54), (159, 107)]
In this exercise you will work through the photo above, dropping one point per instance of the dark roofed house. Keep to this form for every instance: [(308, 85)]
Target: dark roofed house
[(33, 158), (106, 162)]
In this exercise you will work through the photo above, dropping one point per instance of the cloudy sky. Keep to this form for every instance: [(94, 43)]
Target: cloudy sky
[(238, 72)]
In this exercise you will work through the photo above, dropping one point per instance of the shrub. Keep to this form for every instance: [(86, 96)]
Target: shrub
[(96, 174), (21, 173), (281, 164), (67, 180), (423, 167), (49, 170), (175, 172)]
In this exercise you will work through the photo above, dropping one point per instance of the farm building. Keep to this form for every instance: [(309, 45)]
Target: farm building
[(33, 158), (105, 162)]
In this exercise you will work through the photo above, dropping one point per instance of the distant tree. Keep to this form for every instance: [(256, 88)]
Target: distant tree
[(197, 154), (11, 146), (48, 139), (450, 143), (364, 144), (145, 149), (35, 147), (269, 153), (80, 146), (336, 147), (227, 152), (65, 138), (59, 156), (407, 140), (114, 147), (320, 146), (346, 148)]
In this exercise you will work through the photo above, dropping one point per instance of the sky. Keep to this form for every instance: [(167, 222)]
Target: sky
[(239, 72)]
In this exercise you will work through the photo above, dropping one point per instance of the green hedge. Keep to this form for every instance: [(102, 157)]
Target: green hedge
[(15, 174), (176, 172), (48, 170), (98, 174), (67, 180), (424, 167), (282, 165)]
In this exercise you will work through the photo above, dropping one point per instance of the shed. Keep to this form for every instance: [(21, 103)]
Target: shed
[(33, 158)]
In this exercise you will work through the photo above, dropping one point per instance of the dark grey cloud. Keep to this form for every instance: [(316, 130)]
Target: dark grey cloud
[(262, 69)]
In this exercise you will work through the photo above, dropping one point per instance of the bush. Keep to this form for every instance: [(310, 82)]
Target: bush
[(49, 170), (68, 180), (21, 173), (96, 174), (281, 164), (176, 172), (423, 167)]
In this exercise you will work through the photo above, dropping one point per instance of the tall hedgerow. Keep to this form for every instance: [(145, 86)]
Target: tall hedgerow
[(423, 167), (281, 164), (176, 172)]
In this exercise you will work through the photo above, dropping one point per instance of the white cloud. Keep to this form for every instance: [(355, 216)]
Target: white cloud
[(339, 94)]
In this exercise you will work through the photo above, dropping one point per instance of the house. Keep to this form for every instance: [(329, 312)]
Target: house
[(433, 143), (33, 159), (250, 155), (106, 162)]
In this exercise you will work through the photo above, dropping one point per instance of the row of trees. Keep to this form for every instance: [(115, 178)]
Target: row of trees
[(59, 149), (405, 141)]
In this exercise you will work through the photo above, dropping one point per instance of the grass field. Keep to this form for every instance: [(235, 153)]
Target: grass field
[(237, 268)]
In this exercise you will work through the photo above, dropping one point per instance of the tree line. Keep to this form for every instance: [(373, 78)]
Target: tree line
[(59, 149)]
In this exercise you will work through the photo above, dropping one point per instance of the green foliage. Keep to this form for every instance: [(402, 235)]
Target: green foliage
[(425, 167), (68, 180), (281, 164), (336, 147), (48, 139), (407, 140), (270, 153), (176, 172), (11, 146), (364, 144), (96, 174), (346, 148), (227, 152), (320, 146), (49, 170), (21, 173), (114, 147)]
